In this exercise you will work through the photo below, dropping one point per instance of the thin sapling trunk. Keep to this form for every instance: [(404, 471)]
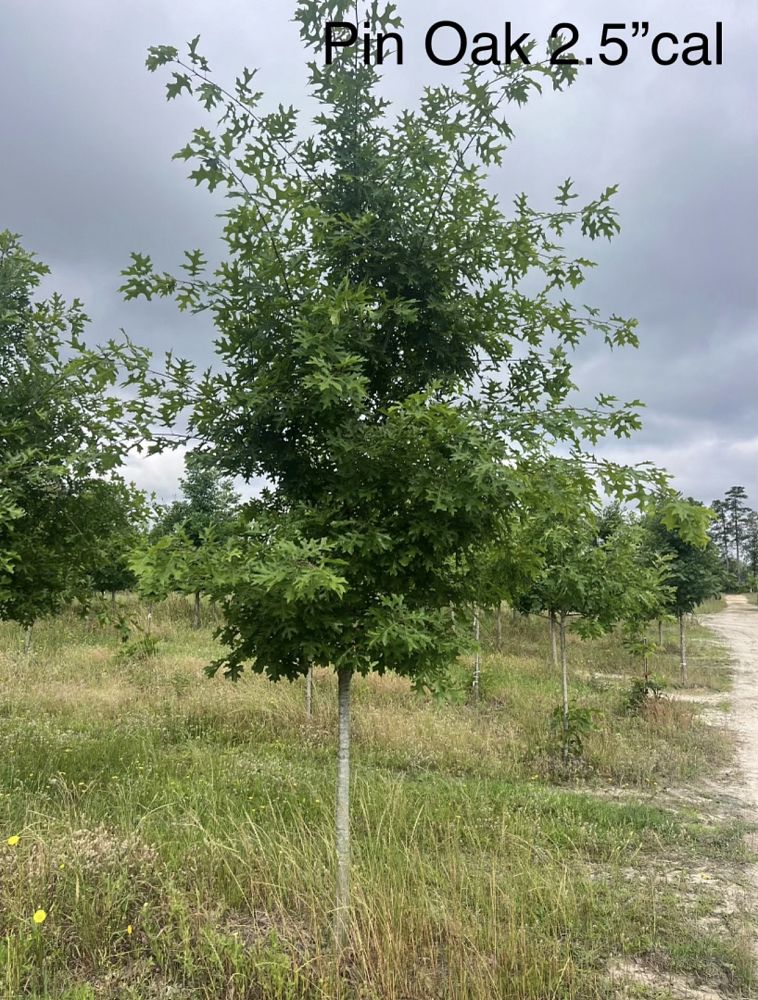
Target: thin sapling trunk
[(342, 911), (309, 693), (645, 660), (554, 638), (196, 611), (564, 676), (499, 627), (477, 656), (682, 649)]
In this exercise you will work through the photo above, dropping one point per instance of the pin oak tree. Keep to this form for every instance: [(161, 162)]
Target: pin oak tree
[(381, 361)]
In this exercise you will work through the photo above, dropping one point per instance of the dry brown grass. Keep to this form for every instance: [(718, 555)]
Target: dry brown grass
[(200, 814)]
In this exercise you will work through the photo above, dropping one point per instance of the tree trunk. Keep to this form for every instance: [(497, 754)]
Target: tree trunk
[(645, 660), (342, 911), (499, 627), (309, 693), (113, 600), (196, 611), (682, 650), (725, 536), (660, 633), (477, 656), (736, 518), (27, 640), (564, 676), (554, 638)]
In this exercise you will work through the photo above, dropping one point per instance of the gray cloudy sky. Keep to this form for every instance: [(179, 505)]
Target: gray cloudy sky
[(86, 176)]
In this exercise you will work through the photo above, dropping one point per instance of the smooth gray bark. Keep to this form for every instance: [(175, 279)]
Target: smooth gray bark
[(477, 656), (660, 633), (682, 650), (564, 677), (554, 638), (27, 640), (645, 661), (342, 911), (196, 611), (309, 693), (499, 627)]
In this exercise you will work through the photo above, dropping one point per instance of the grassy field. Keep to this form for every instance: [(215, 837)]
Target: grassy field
[(177, 831)]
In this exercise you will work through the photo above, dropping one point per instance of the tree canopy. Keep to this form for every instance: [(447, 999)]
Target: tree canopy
[(381, 364), (693, 571), (62, 433), (180, 552)]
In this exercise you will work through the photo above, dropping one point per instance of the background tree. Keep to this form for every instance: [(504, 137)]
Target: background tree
[(694, 572), (735, 500), (595, 573), (124, 512), (751, 547), (205, 510), (381, 364), (720, 530), (61, 435), (731, 532)]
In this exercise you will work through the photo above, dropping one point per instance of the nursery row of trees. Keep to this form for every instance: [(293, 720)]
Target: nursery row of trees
[(70, 526), (382, 363)]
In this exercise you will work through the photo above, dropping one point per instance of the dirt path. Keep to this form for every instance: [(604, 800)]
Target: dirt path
[(738, 626), (731, 796)]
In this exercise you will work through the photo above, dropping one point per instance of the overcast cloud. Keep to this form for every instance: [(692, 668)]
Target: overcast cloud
[(86, 176)]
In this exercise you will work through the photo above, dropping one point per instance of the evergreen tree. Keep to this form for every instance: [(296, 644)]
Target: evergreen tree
[(735, 501), (720, 530)]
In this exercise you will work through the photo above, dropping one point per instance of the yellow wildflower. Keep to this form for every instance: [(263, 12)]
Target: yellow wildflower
[(12, 841), (39, 917), (129, 930)]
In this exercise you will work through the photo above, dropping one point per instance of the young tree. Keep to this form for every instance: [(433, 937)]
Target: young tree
[(382, 365), (693, 571), (61, 435), (206, 509), (123, 511), (595, 574)]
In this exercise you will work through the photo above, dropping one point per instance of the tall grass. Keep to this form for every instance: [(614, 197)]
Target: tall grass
[(178, 831)]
